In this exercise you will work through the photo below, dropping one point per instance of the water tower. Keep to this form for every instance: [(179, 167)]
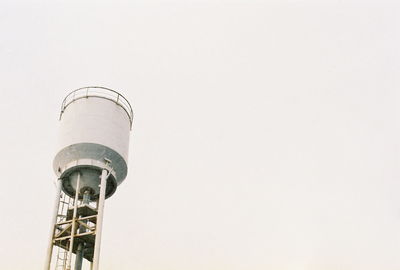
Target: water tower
[(95, 124)]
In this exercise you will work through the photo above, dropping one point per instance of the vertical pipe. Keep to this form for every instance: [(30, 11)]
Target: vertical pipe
[(78, 257), (99, 222), (81, 246), (71, 241), (53, 225)]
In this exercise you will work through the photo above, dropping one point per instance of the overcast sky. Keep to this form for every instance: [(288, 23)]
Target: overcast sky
[(266, 133)]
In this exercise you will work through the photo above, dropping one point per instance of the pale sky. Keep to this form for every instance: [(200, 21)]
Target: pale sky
[(266, 133)]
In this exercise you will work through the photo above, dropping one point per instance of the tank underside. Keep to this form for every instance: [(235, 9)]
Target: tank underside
[(89, 159), (90, 177)]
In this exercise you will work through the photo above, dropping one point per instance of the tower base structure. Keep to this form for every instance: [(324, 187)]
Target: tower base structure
[(75, 237)]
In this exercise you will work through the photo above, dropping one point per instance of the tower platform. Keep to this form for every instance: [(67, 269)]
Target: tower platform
[(85, 230)]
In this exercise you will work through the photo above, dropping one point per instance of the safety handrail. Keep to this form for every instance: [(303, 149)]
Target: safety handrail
[(100, 92)]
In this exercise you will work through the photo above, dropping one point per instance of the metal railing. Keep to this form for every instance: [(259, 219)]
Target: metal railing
[(100, 92)]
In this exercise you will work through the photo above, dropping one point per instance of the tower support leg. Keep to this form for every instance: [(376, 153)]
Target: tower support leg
[(99, 222), (73, 229), (53, 224)]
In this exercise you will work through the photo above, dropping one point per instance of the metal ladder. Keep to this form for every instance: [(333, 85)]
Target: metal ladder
[(62, 254), (61, 259)]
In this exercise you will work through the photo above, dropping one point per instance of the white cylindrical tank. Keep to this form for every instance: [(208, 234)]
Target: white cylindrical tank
[(94, 134)]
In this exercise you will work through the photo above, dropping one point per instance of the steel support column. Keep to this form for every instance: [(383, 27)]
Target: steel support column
[(99, 222), (71, 241), (53, 225)]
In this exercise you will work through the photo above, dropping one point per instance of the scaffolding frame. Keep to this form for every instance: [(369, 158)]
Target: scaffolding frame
[(76, 224)]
